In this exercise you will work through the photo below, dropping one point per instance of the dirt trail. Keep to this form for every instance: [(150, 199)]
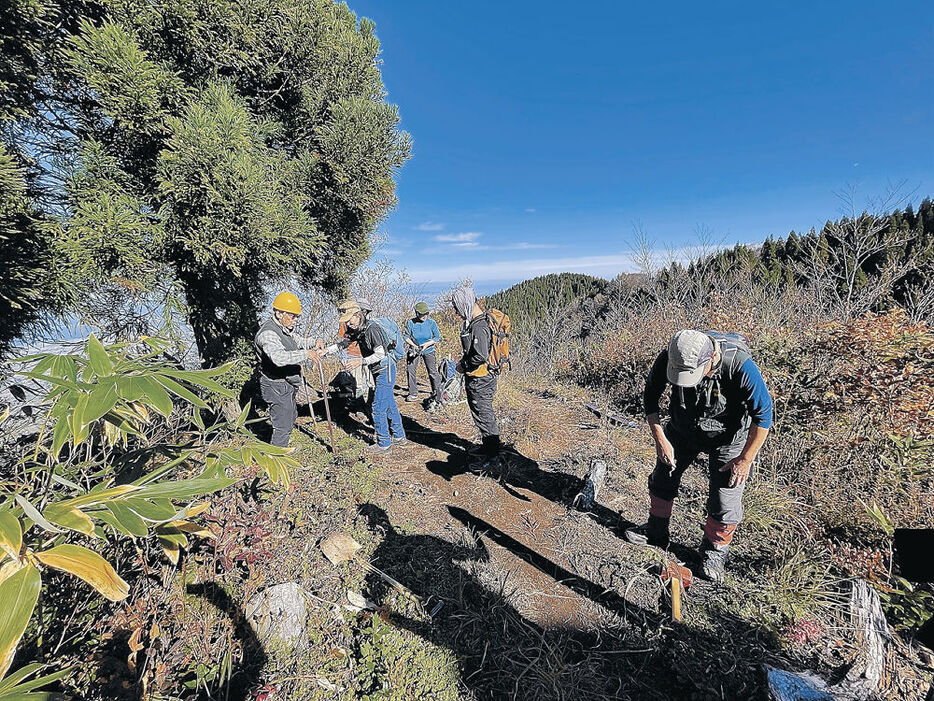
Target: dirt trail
[(560, 568)]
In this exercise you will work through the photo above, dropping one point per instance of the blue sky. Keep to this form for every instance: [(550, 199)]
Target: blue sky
[(545, 132)]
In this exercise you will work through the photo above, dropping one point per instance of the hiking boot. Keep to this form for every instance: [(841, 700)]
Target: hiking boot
[(411, 398), (713, 561), (654, 532), (399, 440), (376, 449)]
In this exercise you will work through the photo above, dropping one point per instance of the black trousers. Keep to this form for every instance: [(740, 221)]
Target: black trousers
[(431, 365), (280, 396), (480, 391)]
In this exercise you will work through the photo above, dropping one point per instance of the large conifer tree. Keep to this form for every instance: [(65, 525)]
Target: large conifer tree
[(204, 148)]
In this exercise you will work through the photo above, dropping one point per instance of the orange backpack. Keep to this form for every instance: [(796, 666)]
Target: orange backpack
[(499, 348)]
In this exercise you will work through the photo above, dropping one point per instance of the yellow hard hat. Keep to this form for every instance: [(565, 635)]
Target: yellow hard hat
[(287, 302)]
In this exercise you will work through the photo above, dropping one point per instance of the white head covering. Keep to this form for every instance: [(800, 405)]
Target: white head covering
[(463, 300)]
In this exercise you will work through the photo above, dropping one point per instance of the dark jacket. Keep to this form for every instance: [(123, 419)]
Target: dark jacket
[(476, 342), (721, 405)]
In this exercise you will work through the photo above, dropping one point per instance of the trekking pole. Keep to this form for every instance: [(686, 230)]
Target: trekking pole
[(311, 404), (327, 407)]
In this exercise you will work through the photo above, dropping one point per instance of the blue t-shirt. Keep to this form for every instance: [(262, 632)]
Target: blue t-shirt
[(422, 331)]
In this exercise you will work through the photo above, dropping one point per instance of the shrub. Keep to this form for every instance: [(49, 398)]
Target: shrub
[(122, 453)]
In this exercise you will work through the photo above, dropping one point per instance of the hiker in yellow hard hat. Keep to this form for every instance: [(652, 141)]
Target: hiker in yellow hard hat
[(281, 353)]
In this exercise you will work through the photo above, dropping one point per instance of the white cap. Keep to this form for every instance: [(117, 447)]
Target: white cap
[(688, 353)]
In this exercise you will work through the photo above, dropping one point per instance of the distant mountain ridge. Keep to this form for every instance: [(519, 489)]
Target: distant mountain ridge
[(529, 301)]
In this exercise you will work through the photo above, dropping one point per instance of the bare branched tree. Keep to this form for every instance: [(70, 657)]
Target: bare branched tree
[(837, 261)]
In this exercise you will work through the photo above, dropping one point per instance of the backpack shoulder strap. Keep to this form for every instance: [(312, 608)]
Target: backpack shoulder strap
[(732, 359)]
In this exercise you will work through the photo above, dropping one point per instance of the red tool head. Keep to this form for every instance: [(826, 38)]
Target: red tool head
[(674, 570)]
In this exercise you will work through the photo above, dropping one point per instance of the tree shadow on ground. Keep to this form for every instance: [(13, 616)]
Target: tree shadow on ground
[(503, 655), (522, 472), (246, 675)]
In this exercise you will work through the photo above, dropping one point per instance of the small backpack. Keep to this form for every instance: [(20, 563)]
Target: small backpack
[(499, 348), (735, 357), (451, 390), (447, 369), (395, 344)]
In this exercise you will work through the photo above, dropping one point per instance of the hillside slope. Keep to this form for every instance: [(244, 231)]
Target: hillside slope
[(538, 600)]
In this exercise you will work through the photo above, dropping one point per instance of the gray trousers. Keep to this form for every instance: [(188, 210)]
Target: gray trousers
[(724, 503), (480, 391), (280, 396), (431, 365)]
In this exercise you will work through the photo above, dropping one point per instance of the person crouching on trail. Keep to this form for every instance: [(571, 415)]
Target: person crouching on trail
[(373, 350), (479, 382), (421, 336), (281, 354), (719, 406)]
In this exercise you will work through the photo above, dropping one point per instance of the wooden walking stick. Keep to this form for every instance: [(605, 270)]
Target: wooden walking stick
[(327, 407)]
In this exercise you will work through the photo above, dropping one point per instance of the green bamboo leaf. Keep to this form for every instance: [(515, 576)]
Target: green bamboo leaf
[(157, 396), (198, 419), (64, 366), (130, 388), (101, 400), (60, 435), (100, 360), (19, 594), (11, 533), (180, 390), (241, 420), (98, 496), (185, 489), (163, 469), (67, 483), (270, 449), (58, 382), (35, 683), (128, 519), (77, 420), (196, 377), (150, 511), (11, 680), (70, 518), (111, 520), (32, 513)]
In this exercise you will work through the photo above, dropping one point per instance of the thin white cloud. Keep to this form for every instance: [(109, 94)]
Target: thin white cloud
[(530, 210), (465, 237), (603, 266), (474, 246), (430, 226), (526, 246)]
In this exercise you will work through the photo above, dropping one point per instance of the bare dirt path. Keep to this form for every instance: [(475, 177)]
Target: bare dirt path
[(559, 567)]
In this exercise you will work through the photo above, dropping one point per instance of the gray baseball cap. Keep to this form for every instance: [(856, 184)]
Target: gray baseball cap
[(688, 353)]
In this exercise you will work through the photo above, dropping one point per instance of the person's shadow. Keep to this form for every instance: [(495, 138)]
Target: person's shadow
[(245, 676), (522, 472), (502, 654)]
